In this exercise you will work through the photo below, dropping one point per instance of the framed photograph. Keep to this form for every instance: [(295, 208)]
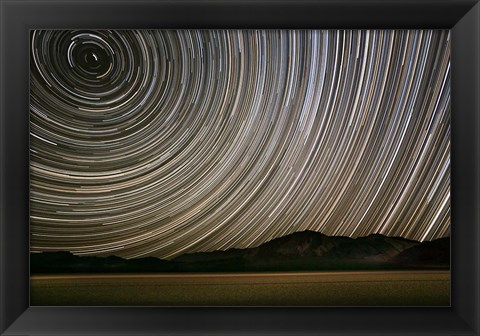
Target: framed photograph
[(230, 167)]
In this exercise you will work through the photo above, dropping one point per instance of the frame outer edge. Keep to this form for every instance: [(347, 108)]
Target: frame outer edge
[(3, 306), (465, 155), (477, 170), (7, 319), (12, 300)]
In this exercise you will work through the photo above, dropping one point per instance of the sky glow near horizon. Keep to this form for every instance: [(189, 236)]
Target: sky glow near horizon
[(159, 143)]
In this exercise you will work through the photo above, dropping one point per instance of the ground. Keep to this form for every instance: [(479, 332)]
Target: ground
[(366, 288)]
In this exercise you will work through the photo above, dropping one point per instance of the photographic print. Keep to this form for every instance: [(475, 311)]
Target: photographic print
[(240, 167)]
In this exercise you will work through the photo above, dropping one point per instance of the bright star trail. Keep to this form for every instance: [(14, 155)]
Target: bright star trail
[(158, 143)]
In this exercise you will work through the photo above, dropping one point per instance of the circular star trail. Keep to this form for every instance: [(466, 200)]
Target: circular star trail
[(159, 143)]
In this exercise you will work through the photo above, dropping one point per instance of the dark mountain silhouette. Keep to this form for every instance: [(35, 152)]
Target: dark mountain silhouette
[(375, 248), (66, 262), (306, 250), (305, 244), (433, 253)]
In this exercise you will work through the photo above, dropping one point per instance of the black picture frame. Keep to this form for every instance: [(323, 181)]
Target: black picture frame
[(18, 17)]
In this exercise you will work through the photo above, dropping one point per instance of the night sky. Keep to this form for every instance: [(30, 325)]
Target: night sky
[(158, 143)]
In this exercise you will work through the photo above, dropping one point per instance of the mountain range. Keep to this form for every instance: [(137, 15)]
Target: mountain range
[(299, 251)]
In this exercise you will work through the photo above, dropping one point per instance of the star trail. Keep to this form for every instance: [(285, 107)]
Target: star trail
[(159, 143)]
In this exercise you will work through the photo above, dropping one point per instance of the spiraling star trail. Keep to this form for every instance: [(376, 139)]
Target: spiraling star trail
[(159, 143)]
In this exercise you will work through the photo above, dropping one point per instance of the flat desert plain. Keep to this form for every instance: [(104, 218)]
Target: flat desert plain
[(359, 288)]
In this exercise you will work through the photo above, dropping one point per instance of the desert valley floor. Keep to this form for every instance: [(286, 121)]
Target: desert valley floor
[(359, 288)]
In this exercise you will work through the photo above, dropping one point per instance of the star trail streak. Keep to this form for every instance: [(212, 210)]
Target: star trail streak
[(158, 143)]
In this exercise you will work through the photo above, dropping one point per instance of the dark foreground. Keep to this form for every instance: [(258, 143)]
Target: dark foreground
[(362, 288)]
